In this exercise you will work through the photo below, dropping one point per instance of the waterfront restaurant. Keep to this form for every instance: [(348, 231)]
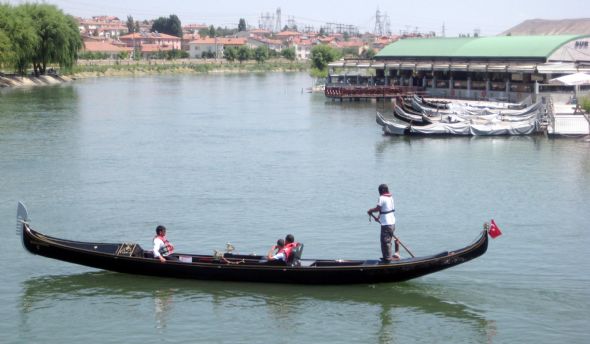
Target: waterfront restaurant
[(499, 67)]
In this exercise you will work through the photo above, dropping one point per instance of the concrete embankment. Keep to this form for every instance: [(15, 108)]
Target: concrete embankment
[(26, 81)]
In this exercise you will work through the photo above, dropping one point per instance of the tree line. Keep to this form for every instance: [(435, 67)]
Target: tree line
[(260, 54), (37, 35)]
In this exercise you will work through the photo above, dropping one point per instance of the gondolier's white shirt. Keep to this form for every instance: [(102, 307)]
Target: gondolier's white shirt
[(158, 243), (386, 204)]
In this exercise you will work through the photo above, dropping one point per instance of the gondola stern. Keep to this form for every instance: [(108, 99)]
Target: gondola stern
[(22, 221)]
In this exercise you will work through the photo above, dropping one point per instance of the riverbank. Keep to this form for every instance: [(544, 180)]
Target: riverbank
[(26, 81), (186, 66), (113, 68)]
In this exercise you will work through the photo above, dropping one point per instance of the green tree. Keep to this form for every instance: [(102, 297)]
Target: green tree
[(242, 25), (130, 24), (289, 53), (170, 25), (230, 53), (244, 53), (350, 51), (204, 32), (123, 55), (212, 32), (58, 36), (321, 55), (6, 54), (261, 54), (18, 27), (369, 54), (585, 104)]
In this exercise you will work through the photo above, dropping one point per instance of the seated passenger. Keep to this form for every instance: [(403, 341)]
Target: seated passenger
[(290, 244), (277, 252), (162, 247)]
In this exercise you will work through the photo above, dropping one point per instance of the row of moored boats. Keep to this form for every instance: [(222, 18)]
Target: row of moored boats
[(416, 115)]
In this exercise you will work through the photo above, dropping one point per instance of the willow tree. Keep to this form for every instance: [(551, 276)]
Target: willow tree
[(59, 38), (18, 39), (6, 53)]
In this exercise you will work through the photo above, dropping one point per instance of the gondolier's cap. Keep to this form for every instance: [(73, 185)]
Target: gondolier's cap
[(383, 189)]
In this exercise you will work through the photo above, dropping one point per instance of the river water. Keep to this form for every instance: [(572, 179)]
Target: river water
[(248, 158)]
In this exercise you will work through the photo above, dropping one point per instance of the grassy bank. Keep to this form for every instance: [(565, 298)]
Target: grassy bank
[(135, 68)]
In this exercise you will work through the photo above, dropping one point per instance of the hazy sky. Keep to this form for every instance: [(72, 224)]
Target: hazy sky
[(459, 16)]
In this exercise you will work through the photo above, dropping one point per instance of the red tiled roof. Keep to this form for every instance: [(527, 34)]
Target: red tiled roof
[(350, 44), (195, 26), (304, 42), (259, 31), (288, 34), (190, 36), (266, 40), (150, 35), (220, 40), (152, 48), (103, 47)]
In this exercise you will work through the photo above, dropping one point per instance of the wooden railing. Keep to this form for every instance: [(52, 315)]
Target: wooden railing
[(352, 91)]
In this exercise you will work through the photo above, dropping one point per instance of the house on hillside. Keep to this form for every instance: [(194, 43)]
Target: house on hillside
[(213, 46), (260, 32), (111, 50), (287, 36), (302, 48), (356, 47), (259, 41), (193, 28), (187, 38), (162, 40)]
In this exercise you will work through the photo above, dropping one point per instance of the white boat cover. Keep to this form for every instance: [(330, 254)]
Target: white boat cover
[(391, 127), (461, 128), (519, 128)]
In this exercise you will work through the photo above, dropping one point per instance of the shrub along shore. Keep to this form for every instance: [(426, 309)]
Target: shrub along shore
[(110, 68)]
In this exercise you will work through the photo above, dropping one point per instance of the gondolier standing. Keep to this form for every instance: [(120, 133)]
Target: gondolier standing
[(386, 208)]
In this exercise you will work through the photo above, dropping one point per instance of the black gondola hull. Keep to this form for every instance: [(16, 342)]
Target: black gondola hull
[(245, 268)]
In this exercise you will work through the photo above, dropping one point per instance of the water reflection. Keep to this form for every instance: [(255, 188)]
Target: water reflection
[(283, 303), (49, 99), (48, 110)]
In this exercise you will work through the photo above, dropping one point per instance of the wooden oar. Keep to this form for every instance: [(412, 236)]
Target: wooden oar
[(396, 238)]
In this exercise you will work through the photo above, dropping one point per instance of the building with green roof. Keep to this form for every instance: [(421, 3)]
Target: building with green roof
[(539, 49), (510, 67)]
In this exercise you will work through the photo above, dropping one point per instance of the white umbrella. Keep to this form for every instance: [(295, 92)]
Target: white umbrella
[(572, 79)]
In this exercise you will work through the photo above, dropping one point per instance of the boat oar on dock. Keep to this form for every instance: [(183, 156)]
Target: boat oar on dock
[(396, 238)]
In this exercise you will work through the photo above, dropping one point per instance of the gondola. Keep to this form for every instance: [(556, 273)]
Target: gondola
[(400, 114), (132, 259)]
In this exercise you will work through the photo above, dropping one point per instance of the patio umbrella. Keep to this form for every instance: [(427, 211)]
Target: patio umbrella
[(572, 79)]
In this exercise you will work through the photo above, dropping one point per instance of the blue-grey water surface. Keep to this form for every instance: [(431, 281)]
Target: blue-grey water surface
[(248, 158)]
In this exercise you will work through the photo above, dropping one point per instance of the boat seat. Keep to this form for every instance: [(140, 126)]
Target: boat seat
[(295, 255)]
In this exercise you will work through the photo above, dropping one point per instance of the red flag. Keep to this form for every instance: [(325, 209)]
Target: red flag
[(494, 230)]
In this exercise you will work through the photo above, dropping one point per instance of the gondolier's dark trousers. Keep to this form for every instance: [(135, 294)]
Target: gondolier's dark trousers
[(386, 238)]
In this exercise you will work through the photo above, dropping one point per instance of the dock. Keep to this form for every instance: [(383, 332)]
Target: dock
[(363, 92), (567, 120)]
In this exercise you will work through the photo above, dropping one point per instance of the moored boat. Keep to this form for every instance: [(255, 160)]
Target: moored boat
[(131, 258)]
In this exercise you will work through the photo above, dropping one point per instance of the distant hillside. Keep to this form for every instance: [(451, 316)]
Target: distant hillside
[(550, 27)]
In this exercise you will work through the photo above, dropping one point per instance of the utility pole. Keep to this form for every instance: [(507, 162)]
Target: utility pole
[(278, 26)]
